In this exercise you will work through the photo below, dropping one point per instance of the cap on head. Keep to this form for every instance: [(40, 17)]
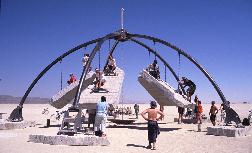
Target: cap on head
[(213, 102), (70, 74), (153, 104), (155, 61)]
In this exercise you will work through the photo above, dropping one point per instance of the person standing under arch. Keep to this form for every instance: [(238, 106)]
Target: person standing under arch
[(181, 111), (213, 111), (223, 113), (101, 117), (200, 111), (153, 129), (136, 108)]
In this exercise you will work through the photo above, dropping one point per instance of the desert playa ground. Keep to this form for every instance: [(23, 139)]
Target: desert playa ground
[(174, 138)]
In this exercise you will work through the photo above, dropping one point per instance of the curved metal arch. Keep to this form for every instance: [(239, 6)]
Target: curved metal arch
[(161, 58), (48, 67), (120, 35), (16, 114), (216, 87)]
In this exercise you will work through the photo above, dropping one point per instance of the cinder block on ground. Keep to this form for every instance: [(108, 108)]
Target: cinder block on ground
[(16, 125), (77, 140), (228, 131)]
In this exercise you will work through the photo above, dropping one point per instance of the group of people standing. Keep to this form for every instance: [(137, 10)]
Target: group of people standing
[(151, 115), (198, 111)]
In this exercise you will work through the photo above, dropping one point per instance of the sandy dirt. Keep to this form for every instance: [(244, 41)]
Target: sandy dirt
[(174, 138)]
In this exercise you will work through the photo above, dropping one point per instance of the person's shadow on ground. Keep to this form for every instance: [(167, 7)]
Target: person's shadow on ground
[(134, 145)]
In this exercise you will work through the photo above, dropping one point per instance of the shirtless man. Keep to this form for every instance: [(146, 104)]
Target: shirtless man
[(213, 111), (153, 129)]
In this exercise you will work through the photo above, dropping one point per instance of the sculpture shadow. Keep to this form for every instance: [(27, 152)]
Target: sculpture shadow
[(57, 125), (197, 131)]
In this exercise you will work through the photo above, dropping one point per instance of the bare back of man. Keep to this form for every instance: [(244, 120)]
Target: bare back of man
[(213, 110), (152, 114)]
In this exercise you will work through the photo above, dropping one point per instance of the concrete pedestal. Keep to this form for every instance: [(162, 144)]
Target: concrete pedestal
[(5, 125), (228, 131), (76, 140)]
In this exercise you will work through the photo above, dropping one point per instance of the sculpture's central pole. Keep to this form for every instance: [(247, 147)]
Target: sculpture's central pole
[(122, 13)]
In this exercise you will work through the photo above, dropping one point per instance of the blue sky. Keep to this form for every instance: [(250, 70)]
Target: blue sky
[(217, 33)]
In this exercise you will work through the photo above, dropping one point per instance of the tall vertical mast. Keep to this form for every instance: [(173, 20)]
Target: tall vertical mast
[(122, 14)]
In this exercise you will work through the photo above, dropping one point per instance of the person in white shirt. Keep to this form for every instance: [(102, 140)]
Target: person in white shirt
[(85, 60)]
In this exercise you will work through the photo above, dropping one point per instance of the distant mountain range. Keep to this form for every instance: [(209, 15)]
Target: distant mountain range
[(7, 99)]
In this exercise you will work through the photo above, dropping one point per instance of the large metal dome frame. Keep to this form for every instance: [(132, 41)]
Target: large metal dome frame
[(121, 36)]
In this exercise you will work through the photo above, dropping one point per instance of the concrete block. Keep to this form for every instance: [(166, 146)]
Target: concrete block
[(16, 125), (228, 131), (76, 140), (66, 95), (161, 91), (113, 84)]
